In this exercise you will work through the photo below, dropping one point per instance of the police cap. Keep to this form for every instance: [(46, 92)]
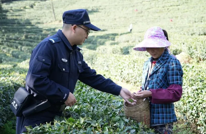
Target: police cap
[(78, 17)]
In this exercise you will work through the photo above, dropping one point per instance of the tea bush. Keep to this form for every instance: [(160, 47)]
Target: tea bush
[(10, 81), (94, 113), (191, 108)]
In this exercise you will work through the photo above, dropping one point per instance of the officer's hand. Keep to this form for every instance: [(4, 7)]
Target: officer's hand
[(70, 100), (126, 95)]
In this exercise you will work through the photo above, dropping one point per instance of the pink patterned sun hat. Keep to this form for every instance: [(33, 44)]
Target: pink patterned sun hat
[(153, 38)]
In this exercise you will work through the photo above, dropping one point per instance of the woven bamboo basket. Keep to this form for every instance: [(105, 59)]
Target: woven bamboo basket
[(139, 112)]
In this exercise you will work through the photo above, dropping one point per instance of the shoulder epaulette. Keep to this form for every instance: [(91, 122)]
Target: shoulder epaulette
[(55, 40)]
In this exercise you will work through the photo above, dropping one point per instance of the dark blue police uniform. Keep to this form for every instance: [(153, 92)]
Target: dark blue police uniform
[(54, 68)]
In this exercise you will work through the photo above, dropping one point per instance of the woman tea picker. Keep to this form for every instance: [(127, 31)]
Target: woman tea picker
[(161, 80)]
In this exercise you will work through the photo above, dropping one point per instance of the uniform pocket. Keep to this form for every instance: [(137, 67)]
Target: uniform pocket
[(44, 60), (41, 64), (64, 68)]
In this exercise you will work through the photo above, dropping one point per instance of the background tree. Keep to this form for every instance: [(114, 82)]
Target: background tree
[(52, 6), (0, 6)]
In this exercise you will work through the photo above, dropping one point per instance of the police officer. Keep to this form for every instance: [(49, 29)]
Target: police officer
[(55, 66)]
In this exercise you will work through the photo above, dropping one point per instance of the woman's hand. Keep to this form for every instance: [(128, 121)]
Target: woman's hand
[(142, 94)]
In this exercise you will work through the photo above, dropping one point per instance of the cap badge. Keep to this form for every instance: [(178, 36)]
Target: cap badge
[(86, 22)]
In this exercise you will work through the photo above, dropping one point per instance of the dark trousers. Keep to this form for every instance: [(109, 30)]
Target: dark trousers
[(34, 120), (163, 129)]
